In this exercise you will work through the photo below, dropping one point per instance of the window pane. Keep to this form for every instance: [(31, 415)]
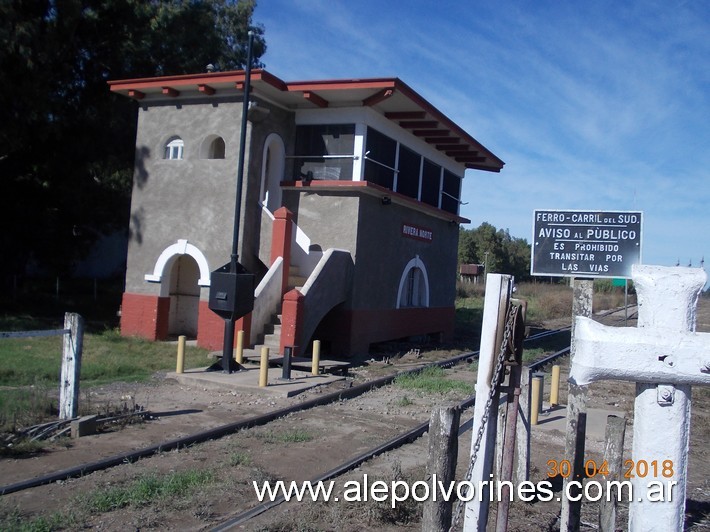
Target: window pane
[(452, 187), (313, 142), (430, 183), (380, 149), (408, 177), (174, 148)]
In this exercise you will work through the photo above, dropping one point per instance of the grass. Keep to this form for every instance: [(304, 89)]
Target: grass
[(405, 401), (287, 436), (432, 380), (30, 367), (147, 489), (237, 458), (107, 357)]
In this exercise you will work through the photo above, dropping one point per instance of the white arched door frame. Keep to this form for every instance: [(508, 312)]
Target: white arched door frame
[(168, 257), (416, 262)]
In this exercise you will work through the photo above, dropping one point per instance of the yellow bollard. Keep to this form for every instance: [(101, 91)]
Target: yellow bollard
[(180, 355), (315, 368), (239, 353), (555, 386), (535, 399), (264, 368)]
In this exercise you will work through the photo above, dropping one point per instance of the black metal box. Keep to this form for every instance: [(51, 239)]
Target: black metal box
[(231, 293)]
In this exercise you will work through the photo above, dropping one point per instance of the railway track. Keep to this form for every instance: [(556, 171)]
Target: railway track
[(311, 405)]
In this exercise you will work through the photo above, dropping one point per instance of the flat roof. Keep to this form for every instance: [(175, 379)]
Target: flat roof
[(389, 96)]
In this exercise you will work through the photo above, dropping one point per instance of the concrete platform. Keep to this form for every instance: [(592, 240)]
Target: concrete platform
[(556, 419), (247, 380)]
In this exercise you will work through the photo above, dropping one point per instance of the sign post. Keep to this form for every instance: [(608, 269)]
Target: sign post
[(583, 245)]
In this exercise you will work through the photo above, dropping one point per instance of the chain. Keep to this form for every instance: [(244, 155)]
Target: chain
[(491, 395)]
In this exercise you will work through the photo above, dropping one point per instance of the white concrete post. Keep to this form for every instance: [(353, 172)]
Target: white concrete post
[(498, 290), (664, 358)]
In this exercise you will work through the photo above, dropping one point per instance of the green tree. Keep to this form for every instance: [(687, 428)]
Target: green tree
[(495, 248), (66, 142)]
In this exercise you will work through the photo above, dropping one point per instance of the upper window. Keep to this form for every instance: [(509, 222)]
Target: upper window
[(380, 159), (174, 148), (451, 192), (325, 152), (212, 148), (393, 165)]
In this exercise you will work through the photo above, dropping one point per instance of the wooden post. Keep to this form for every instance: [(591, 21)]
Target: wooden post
[(613, 455), (71, 366), (582, 298), (522, 428), (536, 401), (497, 298), (443, 451), (500, 436)]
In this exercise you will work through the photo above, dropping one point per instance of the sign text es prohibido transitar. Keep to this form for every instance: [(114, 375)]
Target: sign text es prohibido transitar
[(585, 243)]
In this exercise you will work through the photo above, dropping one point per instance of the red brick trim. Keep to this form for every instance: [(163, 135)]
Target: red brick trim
[(145, 316), (281, 242), (292, 321)]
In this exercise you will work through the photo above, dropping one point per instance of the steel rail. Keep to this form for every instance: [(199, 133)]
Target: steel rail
[(402, 439), (226, 429), (220, 431)]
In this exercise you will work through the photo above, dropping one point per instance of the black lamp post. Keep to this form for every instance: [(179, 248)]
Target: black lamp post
[(231, 286)]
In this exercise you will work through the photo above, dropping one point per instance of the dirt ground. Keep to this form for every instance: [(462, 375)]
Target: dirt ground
[(297, 447)]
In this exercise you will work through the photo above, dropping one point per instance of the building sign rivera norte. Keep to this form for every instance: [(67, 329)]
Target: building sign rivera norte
[(585, 243)]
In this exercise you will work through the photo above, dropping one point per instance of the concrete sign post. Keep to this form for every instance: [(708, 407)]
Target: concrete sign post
[(664, 358)]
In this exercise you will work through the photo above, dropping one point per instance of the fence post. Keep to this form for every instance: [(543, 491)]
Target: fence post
[(522, 428), (443, 453), (613, 457), (71, 366)]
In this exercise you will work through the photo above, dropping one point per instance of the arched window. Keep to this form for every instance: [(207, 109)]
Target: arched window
[(213, 147), (174, 148), (413, 285)]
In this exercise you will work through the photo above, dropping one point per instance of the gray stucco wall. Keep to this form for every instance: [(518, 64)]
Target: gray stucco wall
[(383, 253), (372, 232), (194, 198), (330, 219), (190, 199)]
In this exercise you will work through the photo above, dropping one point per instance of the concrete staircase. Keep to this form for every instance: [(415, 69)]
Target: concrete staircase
[(295, 278), (271, 338)]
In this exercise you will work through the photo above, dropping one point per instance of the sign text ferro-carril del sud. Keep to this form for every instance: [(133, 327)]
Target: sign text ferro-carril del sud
[(585, 243)]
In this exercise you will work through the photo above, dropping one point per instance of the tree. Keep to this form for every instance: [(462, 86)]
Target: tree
[(66, 142), (495, 248)]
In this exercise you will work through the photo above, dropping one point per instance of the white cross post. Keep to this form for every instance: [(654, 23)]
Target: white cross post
[(664, 357)]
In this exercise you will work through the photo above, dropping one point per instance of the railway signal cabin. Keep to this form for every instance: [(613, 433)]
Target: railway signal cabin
[(350, 208)]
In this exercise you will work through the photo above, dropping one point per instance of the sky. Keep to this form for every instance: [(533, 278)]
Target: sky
[(593, 105)]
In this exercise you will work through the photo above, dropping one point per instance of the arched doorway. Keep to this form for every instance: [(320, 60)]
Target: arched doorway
[(413, 285), (184, 296), (272, 172)]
